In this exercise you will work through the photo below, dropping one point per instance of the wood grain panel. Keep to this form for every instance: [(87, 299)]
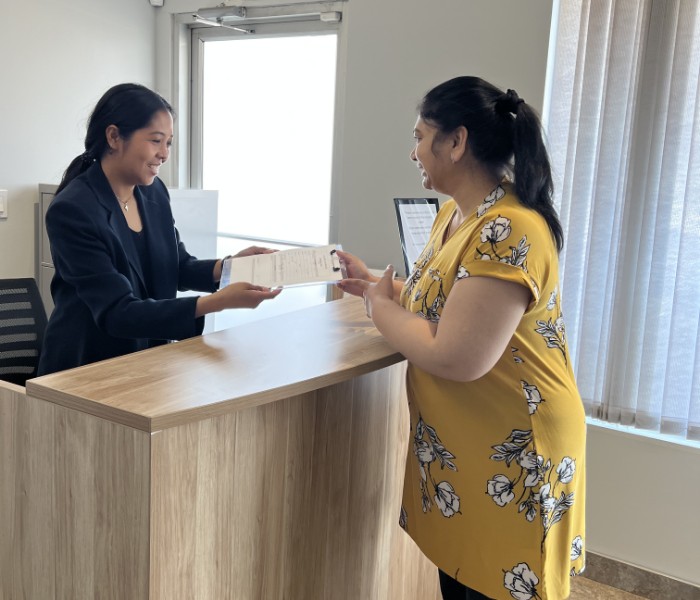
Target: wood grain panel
[(29, 548), (7, 486), (10, 395), (292, 500), (102, 507), (75, 516)]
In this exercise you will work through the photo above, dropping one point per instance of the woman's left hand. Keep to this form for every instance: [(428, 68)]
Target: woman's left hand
[(251, 250), (377, 292)]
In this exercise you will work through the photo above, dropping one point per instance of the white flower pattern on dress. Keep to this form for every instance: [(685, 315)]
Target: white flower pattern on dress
[(428, 451), (532, 395), (518, 254), (576, 554), (446, 499), (516, 359), (521, 582), (432, 310), (554, 333), (534, 471), (496, 231), (566, 469), (490, 200), (462, 273), (534, 465), (418, 267), (576, 548), (553, 298), (500, 488), (553, 509)]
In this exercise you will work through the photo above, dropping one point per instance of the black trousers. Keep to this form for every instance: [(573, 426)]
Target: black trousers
[(454, 590)]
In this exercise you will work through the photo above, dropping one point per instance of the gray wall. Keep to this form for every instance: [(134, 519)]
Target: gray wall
[(57, 58)]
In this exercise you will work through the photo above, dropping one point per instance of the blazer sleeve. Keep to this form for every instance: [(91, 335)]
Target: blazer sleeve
[(90, 258)]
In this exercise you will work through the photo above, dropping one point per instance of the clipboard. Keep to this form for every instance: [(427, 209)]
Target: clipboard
[(286, 268), (415, 218)]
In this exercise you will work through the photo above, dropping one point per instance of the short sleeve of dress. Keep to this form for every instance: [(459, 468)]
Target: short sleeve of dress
[(509, 242)]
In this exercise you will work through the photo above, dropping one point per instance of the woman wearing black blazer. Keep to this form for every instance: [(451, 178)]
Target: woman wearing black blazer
[(118, 257)]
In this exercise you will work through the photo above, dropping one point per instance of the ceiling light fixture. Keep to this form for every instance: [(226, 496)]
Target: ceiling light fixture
[(219, 23)]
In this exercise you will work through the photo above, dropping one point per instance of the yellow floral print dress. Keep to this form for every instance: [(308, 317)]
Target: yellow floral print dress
[(494, 492)]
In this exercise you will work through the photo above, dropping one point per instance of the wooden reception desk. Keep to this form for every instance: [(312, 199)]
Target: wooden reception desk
[(263, 462)]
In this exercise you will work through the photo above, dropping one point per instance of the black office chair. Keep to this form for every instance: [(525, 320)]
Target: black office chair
[(22, 325)]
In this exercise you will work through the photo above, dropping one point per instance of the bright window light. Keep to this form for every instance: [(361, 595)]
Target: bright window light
[(268, 135)]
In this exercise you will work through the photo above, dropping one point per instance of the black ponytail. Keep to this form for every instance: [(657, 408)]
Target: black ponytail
[(76, 167), (532, 171), (505, 135), (128, 106)]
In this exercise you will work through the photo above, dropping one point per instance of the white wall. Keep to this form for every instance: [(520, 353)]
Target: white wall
[(58, 57), (643, 502)]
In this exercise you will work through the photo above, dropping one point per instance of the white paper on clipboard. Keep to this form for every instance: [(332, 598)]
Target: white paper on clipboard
[(286, 268)]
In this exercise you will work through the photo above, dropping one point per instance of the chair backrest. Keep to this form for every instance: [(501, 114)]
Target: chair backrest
[(22, 325)]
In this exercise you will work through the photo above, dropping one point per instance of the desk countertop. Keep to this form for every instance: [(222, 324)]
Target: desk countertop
[(249, 365)]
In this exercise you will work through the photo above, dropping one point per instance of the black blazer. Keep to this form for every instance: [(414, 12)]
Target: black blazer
[(102, 307)]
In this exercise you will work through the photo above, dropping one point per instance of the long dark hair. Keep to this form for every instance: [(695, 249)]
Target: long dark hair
[(504, 133), (128, 106)]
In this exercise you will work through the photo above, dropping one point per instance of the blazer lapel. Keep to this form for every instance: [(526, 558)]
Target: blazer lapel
[(105, 196), (160, 240)]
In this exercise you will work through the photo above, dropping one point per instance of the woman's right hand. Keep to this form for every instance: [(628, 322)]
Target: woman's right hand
[(354, 267), (356, 273), (236, 295)]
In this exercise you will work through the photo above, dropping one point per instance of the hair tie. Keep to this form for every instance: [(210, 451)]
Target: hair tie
[(509, 102), (87, 157)]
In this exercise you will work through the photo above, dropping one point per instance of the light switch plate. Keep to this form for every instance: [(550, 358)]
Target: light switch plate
[(3, 204)]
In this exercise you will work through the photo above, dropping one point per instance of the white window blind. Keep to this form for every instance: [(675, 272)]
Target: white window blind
[(623, 123)]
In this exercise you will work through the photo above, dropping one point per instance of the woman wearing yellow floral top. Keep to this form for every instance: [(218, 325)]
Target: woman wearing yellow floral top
[(494, 489)]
